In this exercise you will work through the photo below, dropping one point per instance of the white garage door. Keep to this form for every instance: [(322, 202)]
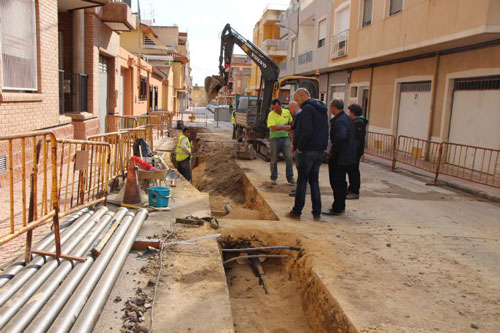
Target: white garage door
[(414, 109), (475, 115)]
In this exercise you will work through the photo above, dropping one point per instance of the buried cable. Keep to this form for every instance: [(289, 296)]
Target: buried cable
[(293, 248), (256, 256)]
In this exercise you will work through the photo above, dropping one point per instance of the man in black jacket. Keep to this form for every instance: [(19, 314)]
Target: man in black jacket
[(310, 141), (342, 155), (360, 123)]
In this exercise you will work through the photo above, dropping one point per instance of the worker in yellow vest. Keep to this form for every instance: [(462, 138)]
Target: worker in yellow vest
[(233, 120), (183, 154)]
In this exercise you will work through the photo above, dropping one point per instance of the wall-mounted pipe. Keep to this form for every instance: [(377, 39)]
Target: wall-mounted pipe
[(75, 304), (20, 279), (51, 275), (90, 313), (43, 245)]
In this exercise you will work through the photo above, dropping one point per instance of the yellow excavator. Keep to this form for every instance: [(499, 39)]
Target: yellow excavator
[(251, 116)]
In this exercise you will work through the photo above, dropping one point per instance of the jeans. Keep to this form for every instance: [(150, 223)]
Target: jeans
[(281, 145), (354, 178), (338, 183), (184, 168), (309, 163)]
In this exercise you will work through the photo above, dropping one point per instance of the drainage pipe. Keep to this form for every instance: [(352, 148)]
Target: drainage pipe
[(90, 313), (294, 248), (75, 304), (49, 278), (20, 279), (19, 264)]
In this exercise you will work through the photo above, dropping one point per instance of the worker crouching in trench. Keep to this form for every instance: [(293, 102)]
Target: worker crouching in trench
[(183, 153)]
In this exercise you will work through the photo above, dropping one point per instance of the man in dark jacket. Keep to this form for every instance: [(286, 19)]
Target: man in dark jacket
[(310, 141), (360, 123), (342, 155)]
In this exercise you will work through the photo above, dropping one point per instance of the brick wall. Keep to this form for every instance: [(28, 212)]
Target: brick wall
[(22, 112)]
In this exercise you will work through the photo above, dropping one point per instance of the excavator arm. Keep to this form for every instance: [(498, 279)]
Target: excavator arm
[(267, 66)]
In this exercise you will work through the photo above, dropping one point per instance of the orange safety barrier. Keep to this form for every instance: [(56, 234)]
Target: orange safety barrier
[(476, 164), (115, 123), (31, 190), (191, 118), (83, 174), (422, 154), (120, 147), (380, 145), (145, 132)]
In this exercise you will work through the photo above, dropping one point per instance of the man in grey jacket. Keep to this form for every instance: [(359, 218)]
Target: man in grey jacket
[(342, 155)]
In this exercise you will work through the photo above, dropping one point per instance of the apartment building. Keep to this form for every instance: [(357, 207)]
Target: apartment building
[(199, 96), (239, 79), (266, 35), (421, 68)]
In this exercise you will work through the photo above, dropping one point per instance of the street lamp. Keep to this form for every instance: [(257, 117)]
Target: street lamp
[(285, 27)]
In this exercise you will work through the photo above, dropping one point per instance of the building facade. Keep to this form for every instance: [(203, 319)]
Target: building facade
[(199, 96), (424, 69)]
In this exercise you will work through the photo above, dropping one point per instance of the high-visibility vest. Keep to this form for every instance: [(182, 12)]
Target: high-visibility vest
[(180, 154), (233, 121)]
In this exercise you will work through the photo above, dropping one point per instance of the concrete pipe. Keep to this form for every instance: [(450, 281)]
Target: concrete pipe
[(51, 275), (20, 279), (90, 313), (75, 304), (43, 245)]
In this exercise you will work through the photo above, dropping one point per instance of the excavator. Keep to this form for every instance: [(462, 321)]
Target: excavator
[(251, 115)]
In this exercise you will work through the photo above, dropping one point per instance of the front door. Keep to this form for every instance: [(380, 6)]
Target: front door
[(103, 92)]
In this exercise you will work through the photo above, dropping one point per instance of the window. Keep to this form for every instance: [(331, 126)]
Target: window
[(148, 41), (321, 33), (367, 13), (354, 91), (293, 47), (18, 41), (395, 6), (143, 93)]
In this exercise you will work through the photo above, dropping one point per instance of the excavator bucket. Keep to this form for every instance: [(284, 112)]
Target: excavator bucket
[(212, 86)]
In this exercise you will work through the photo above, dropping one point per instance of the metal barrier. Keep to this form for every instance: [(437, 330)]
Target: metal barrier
[(116, 123), (83, 174), (191, 118), (422, 154), (380, 145), (145, 132), (472, 163), (156, 122), (120, 151)]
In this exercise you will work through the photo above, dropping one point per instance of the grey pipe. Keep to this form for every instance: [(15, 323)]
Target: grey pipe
[(49, 278), (19, 263), (75, 304), (20, 279), (90, 313)]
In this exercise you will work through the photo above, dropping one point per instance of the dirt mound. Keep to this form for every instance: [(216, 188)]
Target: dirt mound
[(218, 174)]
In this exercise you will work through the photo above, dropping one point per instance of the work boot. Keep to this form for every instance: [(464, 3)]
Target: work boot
[(331, 212), (317, 218), (273, 182), (291, 181), (352, 196), (291, 215), (292, 194)]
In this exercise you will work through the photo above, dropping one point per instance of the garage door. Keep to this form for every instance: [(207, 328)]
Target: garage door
[(475, 114), (414, 109), (103, 92)]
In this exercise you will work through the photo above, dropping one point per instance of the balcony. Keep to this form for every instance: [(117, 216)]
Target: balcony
[(339, 44), (305, 57), (118, 16), (67, 5), (275, 47)]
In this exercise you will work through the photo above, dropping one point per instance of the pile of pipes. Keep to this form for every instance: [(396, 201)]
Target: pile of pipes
[(58, 295)]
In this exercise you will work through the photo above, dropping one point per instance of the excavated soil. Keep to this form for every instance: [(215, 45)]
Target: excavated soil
[(297, 300), (231, 194)]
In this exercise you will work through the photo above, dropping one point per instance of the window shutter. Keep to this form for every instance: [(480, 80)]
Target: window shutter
[(18, 44)]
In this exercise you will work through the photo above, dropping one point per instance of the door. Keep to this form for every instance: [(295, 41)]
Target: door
[(364, 101), (414, 109), (122, 92), (103, 92), (338, 91), (475, 116)]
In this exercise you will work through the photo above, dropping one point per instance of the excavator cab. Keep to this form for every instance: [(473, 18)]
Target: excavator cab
[(286, 87)]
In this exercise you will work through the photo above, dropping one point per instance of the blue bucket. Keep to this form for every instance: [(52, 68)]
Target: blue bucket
[(158, 196)]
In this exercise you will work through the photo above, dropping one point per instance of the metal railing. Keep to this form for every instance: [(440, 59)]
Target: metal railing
[(115, 123), (83, 174), (191, 118), (276, 43), (340, 42), (120, 151), (472, 163), (305, 57)]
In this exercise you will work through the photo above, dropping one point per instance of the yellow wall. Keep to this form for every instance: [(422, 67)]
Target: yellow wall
[(178, 79), (129, 41)]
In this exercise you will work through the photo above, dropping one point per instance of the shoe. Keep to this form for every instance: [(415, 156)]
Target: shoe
[(291, 215), (274, 182), (331, 212), (292, 194), (317, 218), (292, 182), (352, 196)]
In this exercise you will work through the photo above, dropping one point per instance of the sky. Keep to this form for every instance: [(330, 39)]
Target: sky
[(204, 21)]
